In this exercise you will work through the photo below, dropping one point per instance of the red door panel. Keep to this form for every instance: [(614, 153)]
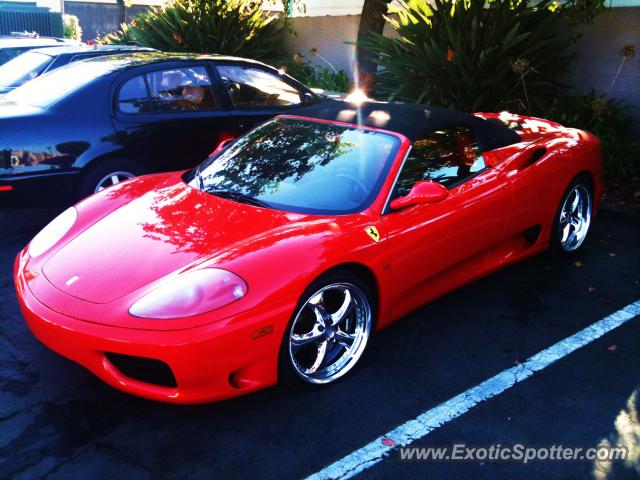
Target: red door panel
[(537, 189), (433, 248)]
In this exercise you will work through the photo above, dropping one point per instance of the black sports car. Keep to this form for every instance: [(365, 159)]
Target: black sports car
[(90, 124), (38, 61)]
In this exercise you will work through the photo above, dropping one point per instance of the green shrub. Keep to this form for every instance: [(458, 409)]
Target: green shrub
[(605, 118), (71, 27), (230, 27), (327, 79), (319, 77), (471, 54), (501, 54)]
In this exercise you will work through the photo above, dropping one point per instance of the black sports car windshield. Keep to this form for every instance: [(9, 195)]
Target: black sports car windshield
[(300, 166)]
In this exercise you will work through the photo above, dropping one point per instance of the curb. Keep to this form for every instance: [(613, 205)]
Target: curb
[(619, 213)]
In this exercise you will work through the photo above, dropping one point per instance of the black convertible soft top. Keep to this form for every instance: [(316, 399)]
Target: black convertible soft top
[(411, 120)]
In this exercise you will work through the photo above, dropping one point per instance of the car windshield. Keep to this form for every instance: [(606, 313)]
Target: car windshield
[(52, 87), (300, 166), (23, 68)]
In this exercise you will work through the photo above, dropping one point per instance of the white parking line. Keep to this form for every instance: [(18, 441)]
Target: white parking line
[(425, 423)]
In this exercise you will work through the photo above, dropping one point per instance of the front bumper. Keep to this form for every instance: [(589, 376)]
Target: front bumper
[(42, 190), (209, 363)]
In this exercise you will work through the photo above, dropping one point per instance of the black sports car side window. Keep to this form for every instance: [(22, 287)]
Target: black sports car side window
[(448, 157), (133, 96), (254, 87), (171, 90)]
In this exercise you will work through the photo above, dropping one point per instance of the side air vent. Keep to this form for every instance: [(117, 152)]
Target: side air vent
[(532, 234), (536, 155), (146, 370)]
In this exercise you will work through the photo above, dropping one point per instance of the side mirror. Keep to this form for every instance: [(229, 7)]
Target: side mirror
[(222, 144), (308, 97), (423, 192)]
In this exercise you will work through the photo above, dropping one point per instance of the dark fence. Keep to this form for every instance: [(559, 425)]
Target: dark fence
[(98, 19), (29, 18)]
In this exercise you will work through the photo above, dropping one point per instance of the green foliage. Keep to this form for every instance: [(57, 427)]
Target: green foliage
[(124, 36), (230, 27), (329, 80), (319, 77), (605, 118), (71, 27), (582, 12), (501, 54), (472, 54)]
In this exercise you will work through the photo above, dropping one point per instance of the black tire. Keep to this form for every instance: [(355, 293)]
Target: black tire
[(558, 246), (94, 174), (287, 373)]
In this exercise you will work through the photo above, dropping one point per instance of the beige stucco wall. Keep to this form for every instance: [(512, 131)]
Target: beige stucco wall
[(595, 65), (328, 34), (598, 57)]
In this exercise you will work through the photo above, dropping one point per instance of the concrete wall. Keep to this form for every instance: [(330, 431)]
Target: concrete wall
[(52, 5), (328, 34), (97, 19), (599, 57), (597, 60)]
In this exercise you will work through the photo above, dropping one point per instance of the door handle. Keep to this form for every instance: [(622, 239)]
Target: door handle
[(138, 132)]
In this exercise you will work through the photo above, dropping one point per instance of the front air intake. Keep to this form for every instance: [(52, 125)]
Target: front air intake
[(143, 369)]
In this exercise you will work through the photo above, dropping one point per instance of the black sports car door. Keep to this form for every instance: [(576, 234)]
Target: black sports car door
[(169, 116)]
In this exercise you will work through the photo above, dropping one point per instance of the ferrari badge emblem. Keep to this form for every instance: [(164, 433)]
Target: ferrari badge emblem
[(373, 233)]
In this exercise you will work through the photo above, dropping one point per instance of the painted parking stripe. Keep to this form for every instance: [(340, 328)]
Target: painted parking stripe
[(425, 423)]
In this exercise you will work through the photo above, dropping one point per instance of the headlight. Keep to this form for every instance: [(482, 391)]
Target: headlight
[(190, 294), (52, 233)]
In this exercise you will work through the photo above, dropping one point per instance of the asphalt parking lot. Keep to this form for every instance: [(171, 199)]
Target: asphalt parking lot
[(58, 421)]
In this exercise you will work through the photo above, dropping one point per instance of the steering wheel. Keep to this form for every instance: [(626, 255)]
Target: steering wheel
[(355, 181), (234, 89)]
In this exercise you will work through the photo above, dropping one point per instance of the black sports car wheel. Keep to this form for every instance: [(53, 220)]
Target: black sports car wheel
[(106, 174)]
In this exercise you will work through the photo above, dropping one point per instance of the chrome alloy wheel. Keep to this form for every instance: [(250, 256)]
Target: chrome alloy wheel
[(575, 218), (329, 333), (112, 179)]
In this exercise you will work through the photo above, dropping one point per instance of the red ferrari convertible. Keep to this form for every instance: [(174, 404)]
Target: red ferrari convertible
[(279, 255)]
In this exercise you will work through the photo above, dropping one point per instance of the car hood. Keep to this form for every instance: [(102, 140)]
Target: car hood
[(159, 232), (10, 109)]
